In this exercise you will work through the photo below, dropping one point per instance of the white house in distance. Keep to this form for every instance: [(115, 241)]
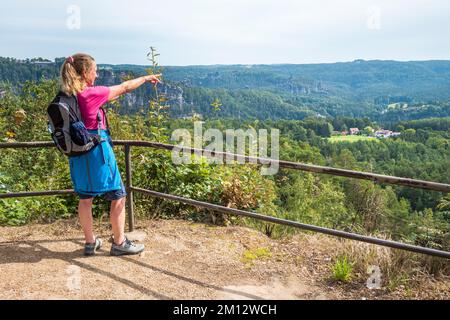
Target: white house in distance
[(354, 131), (386, 133), (381, 133)]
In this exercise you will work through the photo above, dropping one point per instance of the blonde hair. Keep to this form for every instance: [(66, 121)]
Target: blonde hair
[(72, 73)]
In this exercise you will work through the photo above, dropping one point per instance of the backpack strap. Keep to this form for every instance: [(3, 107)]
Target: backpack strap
[(106, 118), (99, 121), (99, 118)]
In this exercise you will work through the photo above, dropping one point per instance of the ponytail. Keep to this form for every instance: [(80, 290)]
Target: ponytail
[(72, 71)]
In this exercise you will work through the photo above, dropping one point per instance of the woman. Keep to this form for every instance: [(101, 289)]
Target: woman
[(96, 173)]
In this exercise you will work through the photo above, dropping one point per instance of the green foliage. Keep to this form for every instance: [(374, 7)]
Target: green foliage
[(438, 124), (216, 104), (444, 204), (243, 187), (31, 169), (309, 199), (14, 212), (154, 170), (419, 155), (342, 269)]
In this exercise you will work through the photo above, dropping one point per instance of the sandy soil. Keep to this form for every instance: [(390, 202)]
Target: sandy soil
[(182, 260)]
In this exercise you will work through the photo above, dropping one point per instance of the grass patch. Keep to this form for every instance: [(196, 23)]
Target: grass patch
[(398, 280), (342, 269), (335, 139), (251, 255)]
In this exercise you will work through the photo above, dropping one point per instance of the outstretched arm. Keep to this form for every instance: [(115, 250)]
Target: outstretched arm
[(130, 85)]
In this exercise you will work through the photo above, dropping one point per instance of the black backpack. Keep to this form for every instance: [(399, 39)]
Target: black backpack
[(67, 128)]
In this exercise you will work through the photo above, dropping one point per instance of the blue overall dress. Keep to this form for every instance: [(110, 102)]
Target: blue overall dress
[(96, 172)]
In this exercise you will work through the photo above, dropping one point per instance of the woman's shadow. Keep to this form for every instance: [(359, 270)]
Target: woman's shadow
[(34, 251)]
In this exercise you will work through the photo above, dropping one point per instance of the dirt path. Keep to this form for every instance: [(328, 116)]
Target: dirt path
[(182, 260)]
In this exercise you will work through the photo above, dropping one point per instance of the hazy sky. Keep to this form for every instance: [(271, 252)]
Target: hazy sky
[(193, 32)]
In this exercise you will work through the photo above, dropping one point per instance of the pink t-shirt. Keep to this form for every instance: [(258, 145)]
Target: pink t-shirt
[(90, 100)]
